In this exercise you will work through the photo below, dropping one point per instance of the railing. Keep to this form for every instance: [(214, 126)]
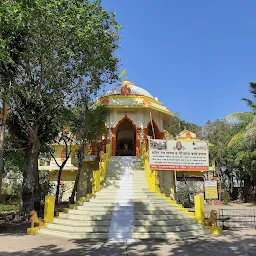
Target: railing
[(99, 175), (151, 175), (237, 218)]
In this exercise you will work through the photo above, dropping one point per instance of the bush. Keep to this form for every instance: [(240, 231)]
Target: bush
[(46, 186), (225, 197), (183, 194)]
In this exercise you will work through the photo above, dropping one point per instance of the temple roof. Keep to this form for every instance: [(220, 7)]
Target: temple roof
[(128, 95), (132, 90)]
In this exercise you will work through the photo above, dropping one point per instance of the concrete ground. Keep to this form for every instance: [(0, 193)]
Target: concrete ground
[(230, 243)]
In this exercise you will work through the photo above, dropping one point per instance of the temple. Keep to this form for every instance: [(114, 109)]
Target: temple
[(134, 115), (118, 188)]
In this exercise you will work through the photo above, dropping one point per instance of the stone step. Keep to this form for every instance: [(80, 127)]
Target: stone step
[(141, 235), (93, 235), (82, 223), (128, 207), (141, 216), (166, 229), (115, 190), (105, 228), (85, 217), (137, 216), (78, 229), (108, 199), (154, 212), (79, 223), (170, 235), (90, 212)]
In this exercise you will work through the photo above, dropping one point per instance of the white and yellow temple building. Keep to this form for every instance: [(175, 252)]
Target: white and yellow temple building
[(135, 115), (128, 200)]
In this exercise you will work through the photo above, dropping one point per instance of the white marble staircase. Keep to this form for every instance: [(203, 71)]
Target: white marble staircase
[(124, 210)]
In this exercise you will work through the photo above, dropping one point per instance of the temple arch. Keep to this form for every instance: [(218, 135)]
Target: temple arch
[(158, 134), (125, 132)]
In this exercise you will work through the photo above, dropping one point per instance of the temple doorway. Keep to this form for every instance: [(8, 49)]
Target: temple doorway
[(126, 139), (154, 131)]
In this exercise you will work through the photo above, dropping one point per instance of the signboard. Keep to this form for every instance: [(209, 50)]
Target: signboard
[(178, 155), (210, 187)]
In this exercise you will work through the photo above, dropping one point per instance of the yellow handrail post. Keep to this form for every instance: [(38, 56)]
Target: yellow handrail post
[(108, 150), (163, 181), (49, 209), (96, 181), (199, 208), (156, 182)]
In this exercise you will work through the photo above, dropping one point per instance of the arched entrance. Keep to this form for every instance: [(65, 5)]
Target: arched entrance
[(154, 131), (126, 135)]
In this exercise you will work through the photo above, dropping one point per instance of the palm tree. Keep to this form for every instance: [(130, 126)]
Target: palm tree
[(247, 119), (88, 126)]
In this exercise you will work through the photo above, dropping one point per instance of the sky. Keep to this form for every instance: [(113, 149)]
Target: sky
[(197, 57)]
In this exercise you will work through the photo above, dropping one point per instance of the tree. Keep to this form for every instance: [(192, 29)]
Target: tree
[(246, 119), (11, 34), (219, 133), (177, 125), (67, 139), (89, 126), (69, 45)]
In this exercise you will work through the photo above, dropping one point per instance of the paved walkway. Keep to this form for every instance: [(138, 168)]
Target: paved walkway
[(121, 226), (231, 243)]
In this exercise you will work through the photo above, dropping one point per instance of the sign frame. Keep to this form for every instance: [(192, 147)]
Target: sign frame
[(178, 155)]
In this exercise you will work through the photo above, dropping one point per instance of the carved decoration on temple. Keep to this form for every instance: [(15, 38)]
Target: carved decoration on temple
[(146, 102), (105, 102), (126, 91)]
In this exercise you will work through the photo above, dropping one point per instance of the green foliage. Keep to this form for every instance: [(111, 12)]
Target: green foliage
[(177, 125), (89, 121), (225, 197), (46, 186), (219, 133), (51, 52), (88, 125), (5, 208), (183, 194)]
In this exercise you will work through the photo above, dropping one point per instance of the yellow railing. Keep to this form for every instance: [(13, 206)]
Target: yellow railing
[(99, 175), (151, 175)]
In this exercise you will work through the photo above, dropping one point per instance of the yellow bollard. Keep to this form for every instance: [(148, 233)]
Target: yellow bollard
[(191, 214), (199, 208), (180, 206), (49, 209), (185, 210), (32, 231), (216, 230)]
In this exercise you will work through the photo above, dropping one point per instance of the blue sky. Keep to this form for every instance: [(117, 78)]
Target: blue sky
[(196, 56)]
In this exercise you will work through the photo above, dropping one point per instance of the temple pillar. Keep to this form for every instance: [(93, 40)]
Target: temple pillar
[(113, 141), (146, 137), (138, 141)]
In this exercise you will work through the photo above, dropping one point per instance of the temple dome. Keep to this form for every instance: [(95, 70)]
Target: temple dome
[(133, 90)]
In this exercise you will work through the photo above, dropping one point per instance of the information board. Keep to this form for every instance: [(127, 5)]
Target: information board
[(178, 155), (211, 191)]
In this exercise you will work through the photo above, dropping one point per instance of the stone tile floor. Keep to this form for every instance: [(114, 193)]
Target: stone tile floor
[(230, 243)]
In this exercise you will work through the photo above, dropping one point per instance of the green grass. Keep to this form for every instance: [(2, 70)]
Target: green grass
[(9, 208)]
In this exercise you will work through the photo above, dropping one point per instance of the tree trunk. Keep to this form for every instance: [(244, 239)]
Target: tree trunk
[(30, 194), (58, 187), (80, 157), (2, 132), (2, 136)]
